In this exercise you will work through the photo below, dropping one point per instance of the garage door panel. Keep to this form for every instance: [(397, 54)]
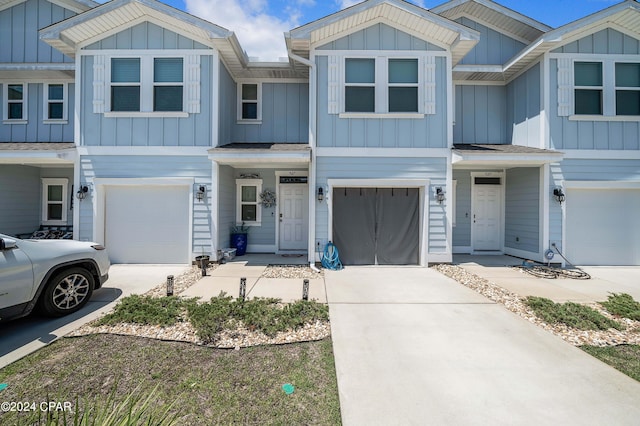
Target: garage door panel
[(354, 225), (602, 226), (145, 224), (397, 240)]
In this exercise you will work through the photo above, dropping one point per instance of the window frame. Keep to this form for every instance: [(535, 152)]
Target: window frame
[(147, 85), (64, 101), (241, 102), (23, 101), (623, 88), (600, 88), (46, 183), (257, 183)]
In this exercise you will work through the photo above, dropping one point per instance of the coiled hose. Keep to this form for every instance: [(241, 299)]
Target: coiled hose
[(331, 257)]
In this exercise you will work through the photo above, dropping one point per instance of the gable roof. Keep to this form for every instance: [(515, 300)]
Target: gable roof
[(398, 13), (493, 15), (77, 6)]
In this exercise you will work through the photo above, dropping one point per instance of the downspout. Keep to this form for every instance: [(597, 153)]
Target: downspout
[(312, 166)]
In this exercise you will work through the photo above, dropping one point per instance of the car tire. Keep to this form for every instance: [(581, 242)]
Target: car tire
[(66, 292)]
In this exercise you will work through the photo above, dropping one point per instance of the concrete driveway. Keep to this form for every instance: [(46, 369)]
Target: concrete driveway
[(26, 335), (414, 347)]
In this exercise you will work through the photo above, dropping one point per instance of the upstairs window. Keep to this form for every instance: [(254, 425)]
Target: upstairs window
[(249, 105), (15, 101), (627, 88), (125, 84), (588, 88), (55, 102), (167, 84), (403, 85), (360, 85)]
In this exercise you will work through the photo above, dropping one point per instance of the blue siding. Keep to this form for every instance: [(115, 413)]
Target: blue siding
[(607, 41), (379, 37), (462, 231), (194, 130), (20, 195), (227, 104), (494, 48), (434, 169), (524, 109), (146, 36), (481, 114), (35, 130), (427, 132), (522, 212), (285, 115), (226, 204), (19, 27)]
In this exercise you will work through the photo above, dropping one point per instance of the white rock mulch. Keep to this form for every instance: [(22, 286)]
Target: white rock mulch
[(515, 303), (291, 271)]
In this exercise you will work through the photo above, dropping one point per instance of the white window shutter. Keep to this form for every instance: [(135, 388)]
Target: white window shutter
[(192, 84), (98, 83), (430, 85), (565, 87), (333, 95)]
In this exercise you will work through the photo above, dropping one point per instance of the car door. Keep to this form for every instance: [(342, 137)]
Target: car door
[(16, 277)]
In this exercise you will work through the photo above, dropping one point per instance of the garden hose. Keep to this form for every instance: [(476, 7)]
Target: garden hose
[(331, 258)]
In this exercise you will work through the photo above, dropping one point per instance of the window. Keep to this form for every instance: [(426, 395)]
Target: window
[(588, 88), (248, 209), (167, 84), (125, 84), (55, 102), (382, 85), (249, 105), (627, 88), (15, 100), (54, 201)]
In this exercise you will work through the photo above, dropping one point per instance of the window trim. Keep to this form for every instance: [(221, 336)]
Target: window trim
[(46, 182), (46, 101), (239, 203), (240, 102), (24, 101), (146, 85)]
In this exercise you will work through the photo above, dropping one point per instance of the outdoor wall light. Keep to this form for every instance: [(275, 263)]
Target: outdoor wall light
[(202, 190), (82, 192), (560, 197), (439, 195), (320, 193)]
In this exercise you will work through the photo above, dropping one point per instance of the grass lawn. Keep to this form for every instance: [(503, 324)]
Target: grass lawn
[(625, 358), (200, 385)]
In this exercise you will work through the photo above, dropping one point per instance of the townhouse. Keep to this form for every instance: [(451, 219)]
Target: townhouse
[(403, 135)]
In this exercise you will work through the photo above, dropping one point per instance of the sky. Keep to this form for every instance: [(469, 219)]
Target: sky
[(260, 24)]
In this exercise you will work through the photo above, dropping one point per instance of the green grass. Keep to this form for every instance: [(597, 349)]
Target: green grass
[(622, 305), (625, 358), (147, 310), (572, 314), (185, 383)]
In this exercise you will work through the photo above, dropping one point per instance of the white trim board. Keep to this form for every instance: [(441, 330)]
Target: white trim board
[(601, 154), (382, 152)]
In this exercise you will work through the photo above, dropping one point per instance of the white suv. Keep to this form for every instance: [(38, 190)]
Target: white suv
[(56, 276)]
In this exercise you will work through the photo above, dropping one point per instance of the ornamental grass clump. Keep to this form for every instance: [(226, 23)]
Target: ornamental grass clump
[(571, 314)]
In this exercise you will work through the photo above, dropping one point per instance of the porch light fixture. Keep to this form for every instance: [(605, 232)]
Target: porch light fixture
[(439, 195), (202, 190), (82, 192), (320, 194), (560, 197)]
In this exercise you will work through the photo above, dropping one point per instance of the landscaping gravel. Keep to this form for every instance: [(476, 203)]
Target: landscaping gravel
[(291, 271)]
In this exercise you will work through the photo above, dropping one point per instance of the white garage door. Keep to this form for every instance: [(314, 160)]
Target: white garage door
[(603, 226), (147, 224)]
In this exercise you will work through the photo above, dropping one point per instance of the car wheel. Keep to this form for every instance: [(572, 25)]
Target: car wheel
[(67, 292)]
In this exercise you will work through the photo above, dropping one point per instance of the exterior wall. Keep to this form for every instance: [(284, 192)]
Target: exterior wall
[(19, 27), (36, 130), (427, 132), (524, 109), (607, 41), (379, 37), (226, 204), (146, 35), (265, 234), (227, 104), (522, 212), (481, 114), (461, 235), (132, 167), (434, 169), (20, 194), (494, 48)]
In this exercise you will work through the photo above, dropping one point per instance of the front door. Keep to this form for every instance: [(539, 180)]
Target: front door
[(487, 208), (294, 217)]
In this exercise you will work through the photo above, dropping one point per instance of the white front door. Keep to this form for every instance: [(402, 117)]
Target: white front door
[(487, 227), (293, 212)]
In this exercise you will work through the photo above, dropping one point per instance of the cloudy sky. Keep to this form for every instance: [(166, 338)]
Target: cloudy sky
[(260, 24)]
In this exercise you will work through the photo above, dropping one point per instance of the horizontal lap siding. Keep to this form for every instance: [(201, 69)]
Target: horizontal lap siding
[(434, 169), (132, 167), (522, 209)]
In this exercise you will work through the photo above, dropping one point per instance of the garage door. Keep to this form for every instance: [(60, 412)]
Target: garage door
[(603, 226), (376, 225), (147, 224)]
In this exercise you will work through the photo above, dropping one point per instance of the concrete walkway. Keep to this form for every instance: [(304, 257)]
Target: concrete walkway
[(414, 347)]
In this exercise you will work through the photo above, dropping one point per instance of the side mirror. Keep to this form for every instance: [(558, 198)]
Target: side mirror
[(7, 244)]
